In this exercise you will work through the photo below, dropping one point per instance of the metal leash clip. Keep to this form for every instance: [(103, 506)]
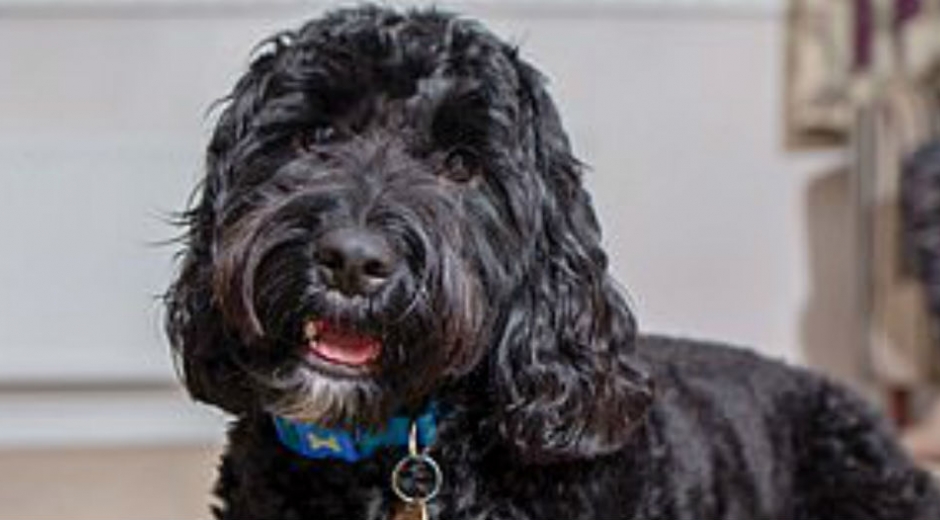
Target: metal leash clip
[(416, 480)]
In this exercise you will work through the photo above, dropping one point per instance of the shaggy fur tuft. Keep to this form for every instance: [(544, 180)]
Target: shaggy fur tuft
[(404, 179)]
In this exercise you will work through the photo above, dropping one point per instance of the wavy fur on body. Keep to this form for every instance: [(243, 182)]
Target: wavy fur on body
[(425, 132)]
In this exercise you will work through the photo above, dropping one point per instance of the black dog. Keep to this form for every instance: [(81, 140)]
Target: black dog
[(392, 254)]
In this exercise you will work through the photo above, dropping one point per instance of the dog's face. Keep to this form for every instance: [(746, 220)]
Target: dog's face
[(390, 204)]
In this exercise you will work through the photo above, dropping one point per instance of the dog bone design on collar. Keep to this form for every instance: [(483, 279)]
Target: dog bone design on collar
[(416, 478), (316, 442)]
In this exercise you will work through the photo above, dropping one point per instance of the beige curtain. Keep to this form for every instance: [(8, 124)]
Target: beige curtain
[(902, 336), (866, 71), (827, 81)]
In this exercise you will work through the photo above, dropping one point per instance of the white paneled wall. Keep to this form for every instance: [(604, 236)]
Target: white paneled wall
[(534, 5), (103, 119)]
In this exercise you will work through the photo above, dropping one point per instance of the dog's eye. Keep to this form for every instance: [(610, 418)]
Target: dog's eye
[(311, 139), (461, 166)]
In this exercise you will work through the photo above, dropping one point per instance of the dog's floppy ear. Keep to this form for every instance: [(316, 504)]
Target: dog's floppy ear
[(205, 349), (568, 382), (205, 346)]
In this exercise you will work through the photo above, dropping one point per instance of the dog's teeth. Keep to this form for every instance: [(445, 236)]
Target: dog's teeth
[(311, 331)]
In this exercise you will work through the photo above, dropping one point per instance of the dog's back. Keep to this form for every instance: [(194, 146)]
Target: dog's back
[(748, 437)]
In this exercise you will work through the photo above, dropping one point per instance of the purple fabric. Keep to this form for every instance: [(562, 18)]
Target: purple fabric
[(904, 10), (864, 30)]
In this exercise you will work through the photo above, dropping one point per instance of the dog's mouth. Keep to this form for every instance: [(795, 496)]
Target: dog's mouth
[(330, 343)]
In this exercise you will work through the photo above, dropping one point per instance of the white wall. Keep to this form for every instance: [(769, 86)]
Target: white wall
[(705, 213), (702, 206)]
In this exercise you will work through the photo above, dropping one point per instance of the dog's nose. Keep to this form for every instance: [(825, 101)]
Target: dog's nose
[(355, 261)]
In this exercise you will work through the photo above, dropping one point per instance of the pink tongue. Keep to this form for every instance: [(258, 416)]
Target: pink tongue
[(345, 347)]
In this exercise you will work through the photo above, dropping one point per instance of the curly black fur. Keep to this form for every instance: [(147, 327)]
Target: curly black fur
[(432, 137)]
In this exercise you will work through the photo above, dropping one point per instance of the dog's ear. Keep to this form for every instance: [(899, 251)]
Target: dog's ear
[(566, 376), (205, 350), (205, 347)]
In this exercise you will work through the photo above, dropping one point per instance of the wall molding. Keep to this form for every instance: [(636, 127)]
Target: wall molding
[(132, 417), (242, 8)]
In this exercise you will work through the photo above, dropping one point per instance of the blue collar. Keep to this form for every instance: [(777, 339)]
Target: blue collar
[(315, 442)]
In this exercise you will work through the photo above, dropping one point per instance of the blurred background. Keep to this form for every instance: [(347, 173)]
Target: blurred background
[(747, 158)]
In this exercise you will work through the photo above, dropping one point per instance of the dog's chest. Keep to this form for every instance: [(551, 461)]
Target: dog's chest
[(261, 479)]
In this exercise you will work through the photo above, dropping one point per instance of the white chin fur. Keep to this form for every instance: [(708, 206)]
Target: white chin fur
[(327, 402)]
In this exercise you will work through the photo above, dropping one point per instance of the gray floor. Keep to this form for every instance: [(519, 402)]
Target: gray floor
[(165, 483)]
